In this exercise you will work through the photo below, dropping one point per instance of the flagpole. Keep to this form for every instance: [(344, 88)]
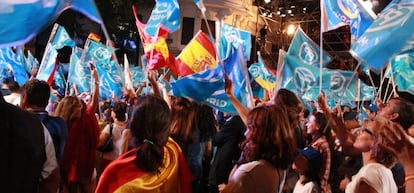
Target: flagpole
[(349, 83), (108, 38), (52, 36), (321, 50)]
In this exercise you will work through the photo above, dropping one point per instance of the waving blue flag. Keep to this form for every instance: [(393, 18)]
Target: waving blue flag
[(304, 81), (10, 61), (28, 17), (137, 75), (402, 69), (306, 50), (31, 16), (108, 86), (60, 38), (88, 8), (231, 39), (212, 82), (79, 72), (346, 12), (379, 43), (262, 75), (96, 52), (166, 13)]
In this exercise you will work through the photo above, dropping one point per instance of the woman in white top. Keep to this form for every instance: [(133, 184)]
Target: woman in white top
[(375, 175), (268, 151), (120, 135)]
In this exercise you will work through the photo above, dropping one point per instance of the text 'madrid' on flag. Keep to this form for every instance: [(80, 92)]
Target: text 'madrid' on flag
[(379, 44), (231, 38), (306, 50), (198, 55), (165, 13), (338, 13), (262, 75)]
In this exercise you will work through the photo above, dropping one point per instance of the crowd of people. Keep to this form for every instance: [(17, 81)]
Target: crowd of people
[(163, 143)]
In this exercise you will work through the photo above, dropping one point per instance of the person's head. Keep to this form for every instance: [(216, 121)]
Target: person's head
[(399, 110), (12, 85), (291, 102), (119, 111), (350, 120), (316, 124), (369, 138), (371, 110), (183, 119), (69, 108), (35, 94), (269, 137), (308, 163), (64, 54), (150, 126)]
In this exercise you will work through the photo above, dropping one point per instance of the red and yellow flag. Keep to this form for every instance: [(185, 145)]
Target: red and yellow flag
[(155, 48), (199, 55)]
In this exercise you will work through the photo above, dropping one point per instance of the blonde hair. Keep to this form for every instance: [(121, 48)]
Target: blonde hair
[(66, 107)]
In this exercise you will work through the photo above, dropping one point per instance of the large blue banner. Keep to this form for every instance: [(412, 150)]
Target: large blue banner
[(10, 62), (387, 36)]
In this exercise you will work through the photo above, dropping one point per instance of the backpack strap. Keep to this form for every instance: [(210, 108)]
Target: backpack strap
[(111, 127)]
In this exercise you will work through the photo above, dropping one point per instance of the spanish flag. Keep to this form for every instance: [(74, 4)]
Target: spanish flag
[(155, 48), (123, 175), (199, 55)]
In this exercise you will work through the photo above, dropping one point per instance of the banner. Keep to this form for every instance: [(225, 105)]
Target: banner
[(231, 38), (402, 71), (304, 81), (12, 65), (197, 56), (208, 86), (338, 13), (380, 41), (79, 72), (262, 75), (165, 13), (306, 50)]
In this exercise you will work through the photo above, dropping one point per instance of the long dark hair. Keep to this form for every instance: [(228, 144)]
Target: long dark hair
[(270, 138), (150, 125)]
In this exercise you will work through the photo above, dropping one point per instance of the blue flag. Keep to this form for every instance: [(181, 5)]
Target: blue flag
[(262, 75), (212, 82), (30, 17), (10, 62), (97, 52), (166, 13), (306, 50), (60, 38), (88, 8), (402, 69), (346, 12), (379, 43), (137, 75), (231, 39), (108, 86), (303, 79), (79, 72)]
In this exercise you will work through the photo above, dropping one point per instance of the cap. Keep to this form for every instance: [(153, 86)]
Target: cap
[(313, 156), (350, 115), (372, 108)]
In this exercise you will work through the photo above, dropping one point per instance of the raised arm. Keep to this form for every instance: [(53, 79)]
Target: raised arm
[(242, 110), (95, 91)]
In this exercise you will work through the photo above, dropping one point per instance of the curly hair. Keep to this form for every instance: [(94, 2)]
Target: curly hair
[(381, 154), (37, 92), (150, 126), (270, 138)]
